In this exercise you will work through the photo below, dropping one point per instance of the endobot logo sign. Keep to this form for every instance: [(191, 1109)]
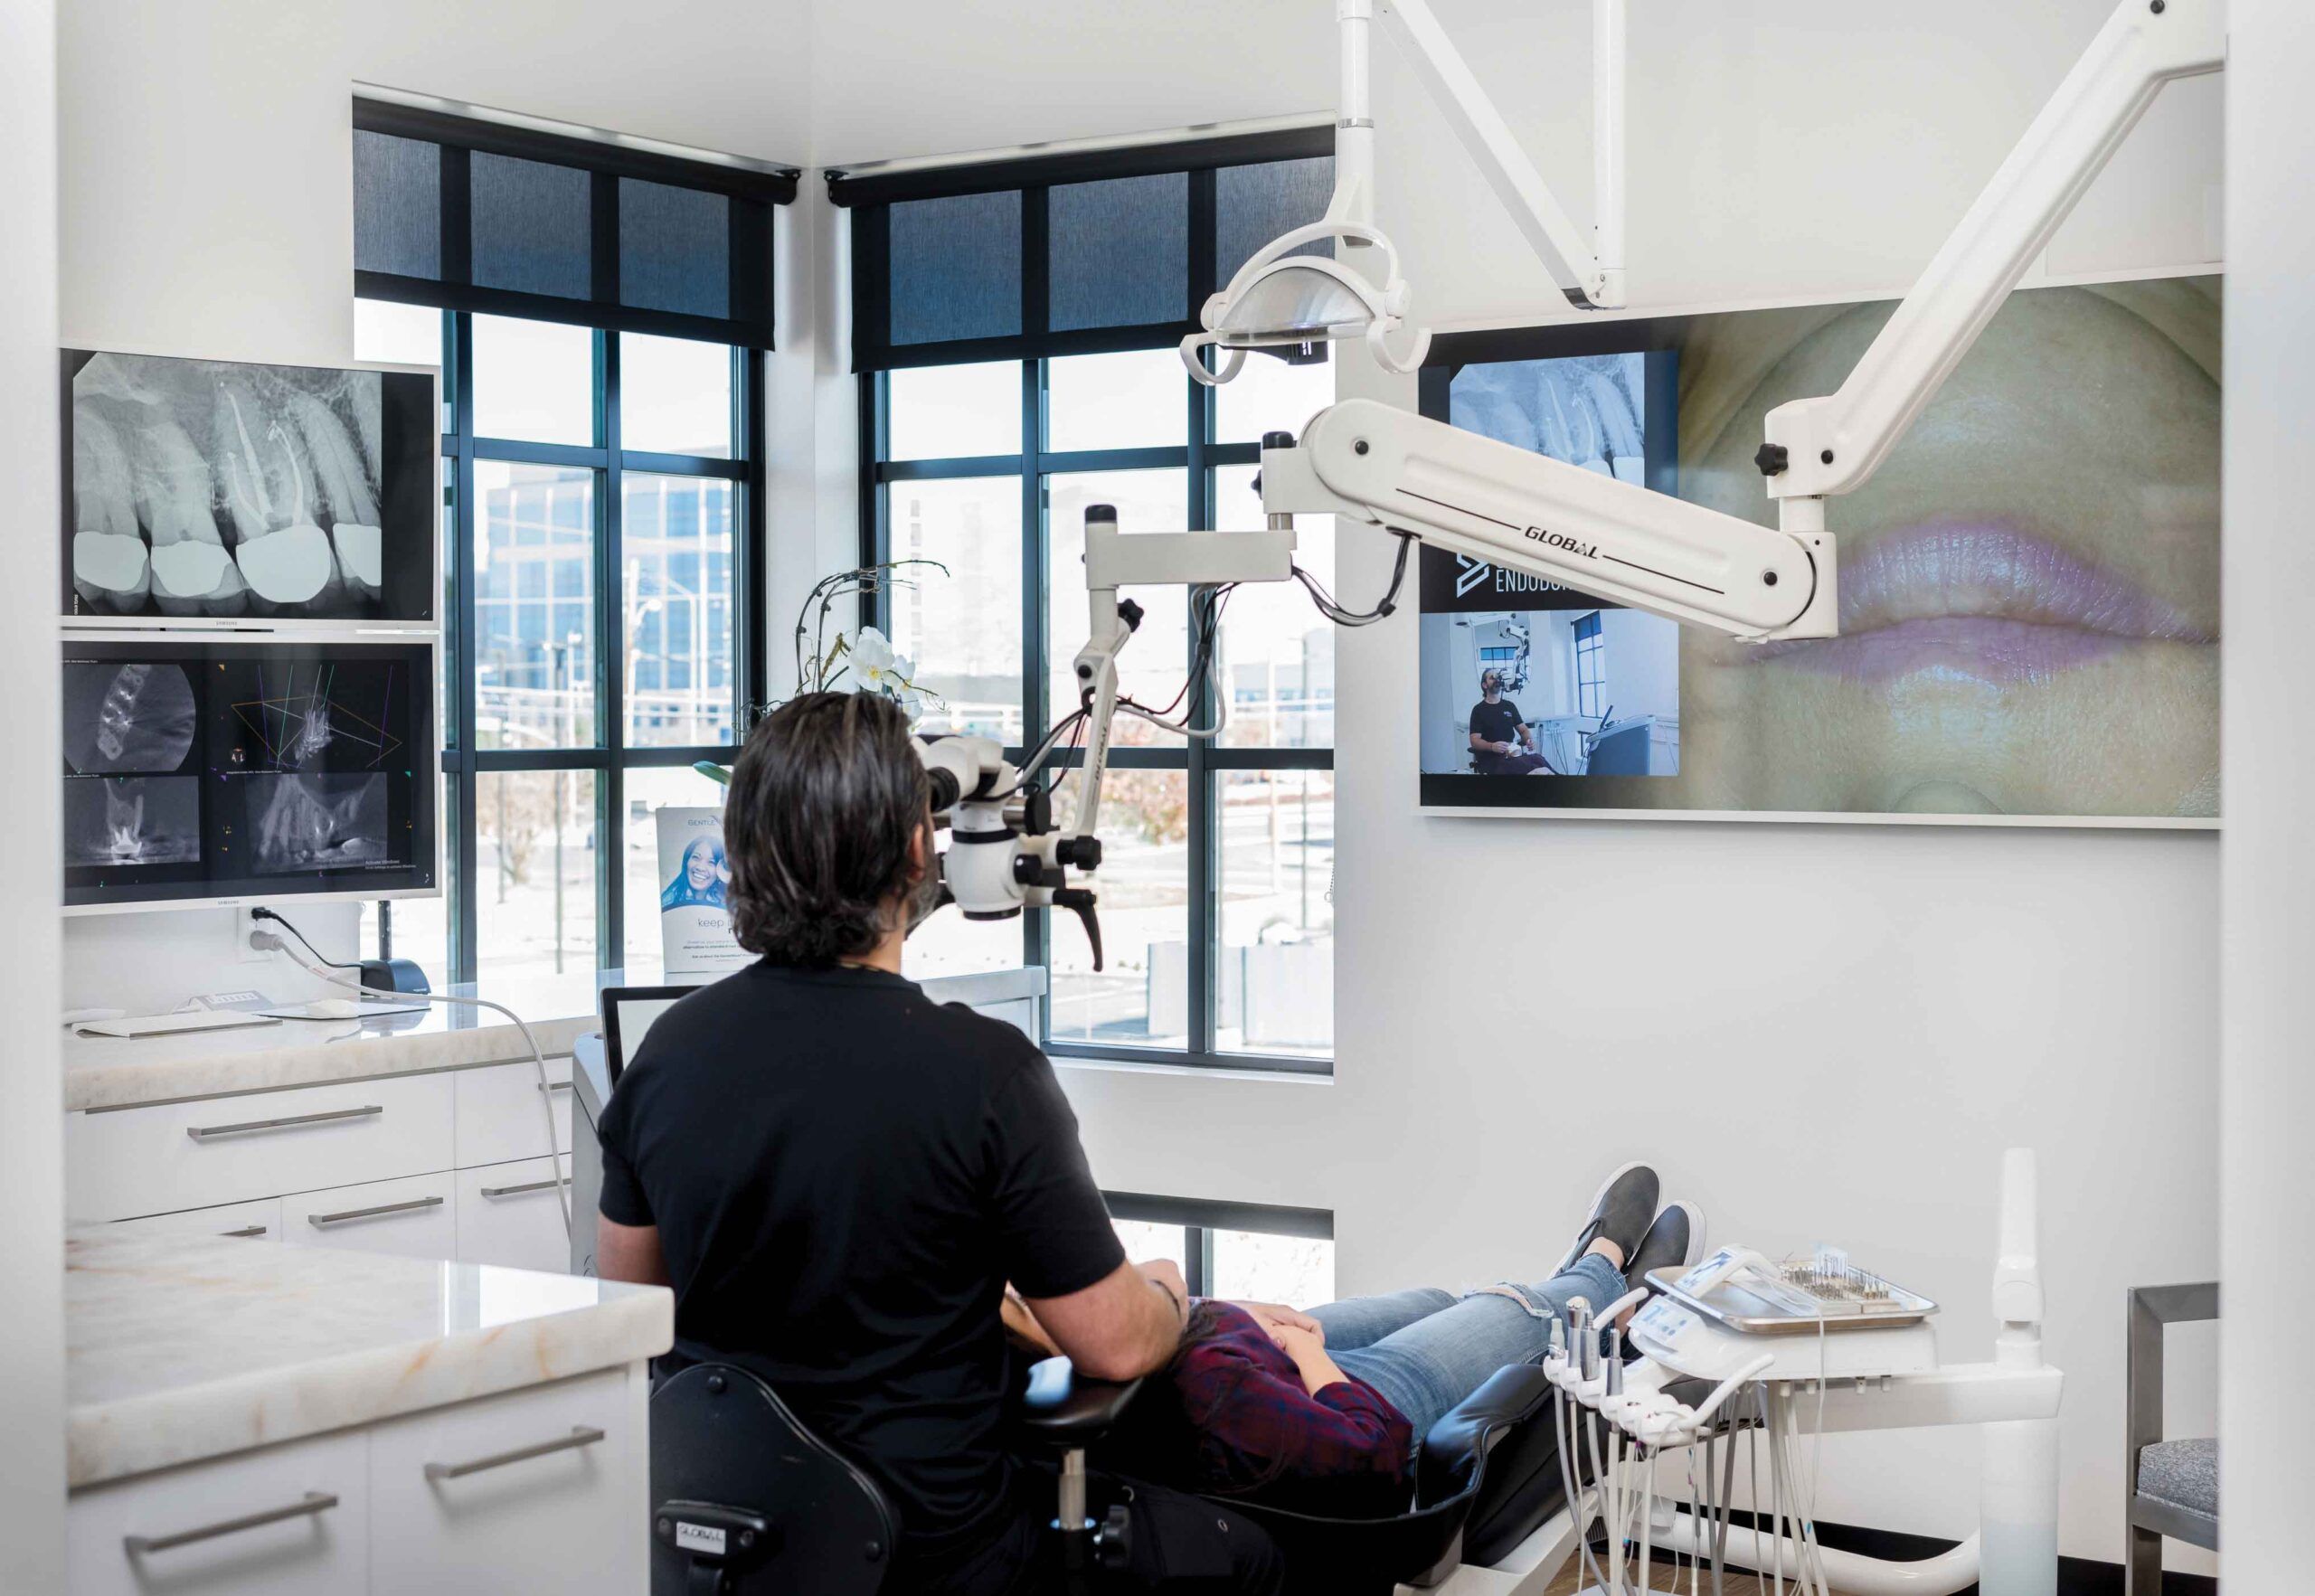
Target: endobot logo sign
[(1469, 573)]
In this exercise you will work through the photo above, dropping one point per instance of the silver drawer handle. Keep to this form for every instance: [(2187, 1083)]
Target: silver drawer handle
[(412, 1206), (245, 1231), (314, 1502), (556, 1086), (204, 1132), (581, 1436), (528, 1186)]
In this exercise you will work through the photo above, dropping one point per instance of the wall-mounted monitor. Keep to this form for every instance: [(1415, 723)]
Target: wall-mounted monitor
[(204, 772), (216, 494)]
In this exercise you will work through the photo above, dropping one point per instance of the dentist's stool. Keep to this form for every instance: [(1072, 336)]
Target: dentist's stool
[(747, 1502)]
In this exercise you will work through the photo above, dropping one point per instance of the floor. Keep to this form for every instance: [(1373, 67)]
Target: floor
[(1571, 1580)]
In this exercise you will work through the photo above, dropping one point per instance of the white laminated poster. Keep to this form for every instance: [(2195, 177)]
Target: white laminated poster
[(695, 918)]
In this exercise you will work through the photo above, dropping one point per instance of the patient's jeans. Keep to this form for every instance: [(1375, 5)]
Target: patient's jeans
[(1426, 1350)]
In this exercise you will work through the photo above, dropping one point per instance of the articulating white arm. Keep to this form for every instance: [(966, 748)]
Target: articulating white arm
[(1831, 445)]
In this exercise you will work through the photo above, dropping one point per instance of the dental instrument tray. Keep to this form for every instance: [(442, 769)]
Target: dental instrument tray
[(1793, 1296)]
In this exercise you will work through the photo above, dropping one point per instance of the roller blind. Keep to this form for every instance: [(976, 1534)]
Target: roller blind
[(476, 216), (1067, 254)]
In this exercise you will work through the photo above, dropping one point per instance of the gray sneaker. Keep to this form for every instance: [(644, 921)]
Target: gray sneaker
[(1674, 1242), (1621, 1210)]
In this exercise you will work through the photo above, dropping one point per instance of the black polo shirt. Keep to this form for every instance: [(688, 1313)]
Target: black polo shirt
[(1497, 722), (843, 1174)]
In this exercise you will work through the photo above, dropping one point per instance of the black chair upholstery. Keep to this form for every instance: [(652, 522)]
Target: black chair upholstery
[(1062, 1408), (747, 1502), (1458, 1495)]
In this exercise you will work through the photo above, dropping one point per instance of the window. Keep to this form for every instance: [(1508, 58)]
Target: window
[(1241, 1251), (602, 545), (1000, 402), (1591, 680)]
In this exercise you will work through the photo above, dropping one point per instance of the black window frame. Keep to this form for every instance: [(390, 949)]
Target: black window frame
[(1201, 1217), (1200, 458), (463, 764)]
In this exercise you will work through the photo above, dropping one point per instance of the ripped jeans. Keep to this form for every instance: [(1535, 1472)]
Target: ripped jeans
[(1426, 1350)]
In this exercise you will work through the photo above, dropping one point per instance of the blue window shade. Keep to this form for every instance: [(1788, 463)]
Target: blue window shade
[(530, 227), (1119, 252), (397, 205), (956, 267), (1254, 204), (675, 249)]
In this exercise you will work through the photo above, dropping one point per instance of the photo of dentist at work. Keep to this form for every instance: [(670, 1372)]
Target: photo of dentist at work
[(1502, 743)]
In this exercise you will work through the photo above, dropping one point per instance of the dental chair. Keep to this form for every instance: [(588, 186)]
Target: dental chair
[(747, 1501)]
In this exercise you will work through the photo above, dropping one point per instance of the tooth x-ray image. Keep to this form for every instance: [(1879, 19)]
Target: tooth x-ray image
[(133, 718), (204, 487), (316, 715), (119, 821), (318, 822)]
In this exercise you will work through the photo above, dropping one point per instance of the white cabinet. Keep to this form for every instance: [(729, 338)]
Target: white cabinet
[(228, 1150), (500, 1116), (545, 1489), (510, 1214), (416, 1217), (288, 1521), (260, 1221)]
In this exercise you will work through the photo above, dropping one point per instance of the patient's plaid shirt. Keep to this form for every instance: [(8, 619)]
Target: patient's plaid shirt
[(1230, 1417)]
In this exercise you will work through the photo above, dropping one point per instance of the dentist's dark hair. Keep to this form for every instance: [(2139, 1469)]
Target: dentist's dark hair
[(823, 800)]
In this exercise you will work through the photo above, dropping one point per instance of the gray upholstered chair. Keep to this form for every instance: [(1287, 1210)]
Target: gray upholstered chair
[(2172, 1484)]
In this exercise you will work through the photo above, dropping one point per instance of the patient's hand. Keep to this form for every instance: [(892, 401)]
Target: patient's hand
[(1271, 1316)]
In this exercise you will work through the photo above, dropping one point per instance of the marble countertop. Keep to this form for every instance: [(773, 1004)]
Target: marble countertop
[(106, 1072), (180, 1350)]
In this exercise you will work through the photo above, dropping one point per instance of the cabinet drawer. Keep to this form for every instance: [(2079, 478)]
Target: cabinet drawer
[(499, 1117), (229, 1150), (545, 1489), (416, 1217), (229, 1219), (510, 1214), (191, 1529)]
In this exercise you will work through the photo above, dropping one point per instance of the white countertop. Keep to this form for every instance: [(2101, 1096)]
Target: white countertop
[(180, 1350), (105, 1073)]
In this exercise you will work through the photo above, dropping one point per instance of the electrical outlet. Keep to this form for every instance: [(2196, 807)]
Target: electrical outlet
[(244, 924)]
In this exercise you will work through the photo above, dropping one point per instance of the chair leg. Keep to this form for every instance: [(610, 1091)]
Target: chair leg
[(2142, 1571)]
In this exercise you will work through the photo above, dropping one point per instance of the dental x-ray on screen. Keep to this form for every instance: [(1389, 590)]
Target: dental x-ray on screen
[(207, 489)]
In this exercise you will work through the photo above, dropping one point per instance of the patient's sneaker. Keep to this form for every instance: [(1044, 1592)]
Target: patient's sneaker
[(1674, 1242), (1620, 1209)]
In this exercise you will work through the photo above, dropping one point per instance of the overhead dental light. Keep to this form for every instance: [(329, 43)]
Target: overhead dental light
[(1288, 296)]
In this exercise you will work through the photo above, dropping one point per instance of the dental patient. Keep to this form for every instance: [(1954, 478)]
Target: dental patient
[(1320, 1412)]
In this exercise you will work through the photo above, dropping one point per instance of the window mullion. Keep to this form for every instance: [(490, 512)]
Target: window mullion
[(611, 689), (1036, 713), (1200, 925), (465, 908)]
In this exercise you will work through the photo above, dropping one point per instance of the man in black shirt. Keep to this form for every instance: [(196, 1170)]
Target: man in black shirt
[(838, 1177), (1498, 734)]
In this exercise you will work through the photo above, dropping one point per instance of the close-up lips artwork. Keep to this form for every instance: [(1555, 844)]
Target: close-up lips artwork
[(1982, 602)]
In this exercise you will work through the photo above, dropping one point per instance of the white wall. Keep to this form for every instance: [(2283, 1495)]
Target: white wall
[(31, 1141), (2267, 1093)]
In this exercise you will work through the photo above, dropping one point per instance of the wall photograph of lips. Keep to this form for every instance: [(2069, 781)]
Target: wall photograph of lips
[(2028, 587)]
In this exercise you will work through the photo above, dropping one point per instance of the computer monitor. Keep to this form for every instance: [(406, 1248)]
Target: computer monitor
[(627, 1014)]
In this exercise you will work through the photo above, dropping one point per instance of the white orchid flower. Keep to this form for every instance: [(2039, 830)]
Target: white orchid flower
[(878, 666)]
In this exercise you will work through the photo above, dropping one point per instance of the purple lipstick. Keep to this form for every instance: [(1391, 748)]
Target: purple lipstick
[(1980, 602)]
